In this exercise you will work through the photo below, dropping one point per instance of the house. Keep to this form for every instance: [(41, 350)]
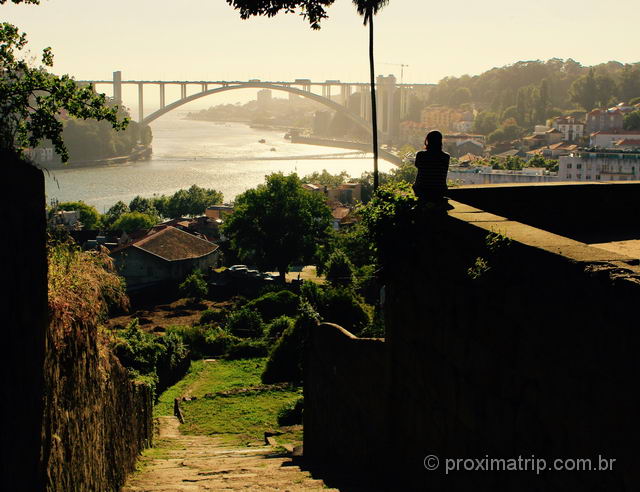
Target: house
[(605, 139), (168, 254), (602, 165), (627, 143), (571, 128)]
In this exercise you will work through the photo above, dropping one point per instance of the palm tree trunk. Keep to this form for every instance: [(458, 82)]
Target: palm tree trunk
[(374, 113)]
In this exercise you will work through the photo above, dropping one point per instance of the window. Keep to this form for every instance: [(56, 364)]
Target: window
[(568, 175), (597, 176), (578, 166), (569, 166), (579, 176), (588, 176)]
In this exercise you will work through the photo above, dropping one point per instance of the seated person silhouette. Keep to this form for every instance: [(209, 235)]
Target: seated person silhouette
[(431, 181)]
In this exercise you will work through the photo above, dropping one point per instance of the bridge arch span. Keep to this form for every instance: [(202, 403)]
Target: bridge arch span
[(361, 122)]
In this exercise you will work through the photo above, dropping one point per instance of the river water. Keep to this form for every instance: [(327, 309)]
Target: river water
[(225, 156)]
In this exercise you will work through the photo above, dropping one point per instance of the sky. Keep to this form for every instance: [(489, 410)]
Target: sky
[(207, 40)]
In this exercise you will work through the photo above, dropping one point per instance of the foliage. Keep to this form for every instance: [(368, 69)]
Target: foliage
[(114, 213), (143, 205), (247, 349), (279, 325), (344, 307), (194, 286), (88, 214), (133, 221), (245, 323), (311, 10), (203, 340), (210, 316), (291, 413), (83, 285), (485, 122), (277, 224), (192, 202), (339, 269), (632, 121), (219, 342), (32, 98), (285, 360), (325, 178), (274, 304)]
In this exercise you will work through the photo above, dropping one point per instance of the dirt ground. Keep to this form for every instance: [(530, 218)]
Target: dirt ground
[(159, 317)]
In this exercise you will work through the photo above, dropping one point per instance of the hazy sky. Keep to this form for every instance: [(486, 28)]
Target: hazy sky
[(206, 39)]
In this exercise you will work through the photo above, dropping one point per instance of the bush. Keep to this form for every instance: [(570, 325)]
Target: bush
[(194, 287), (312, 293), (285, 361), (210, 316), (218, 342), (245, 323), (274, 304), (195, 337), (339, 268), (291, 413), (345, 308), (278, 326), (137, 350), (247, 349)]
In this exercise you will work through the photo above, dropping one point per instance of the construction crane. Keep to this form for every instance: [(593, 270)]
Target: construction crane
[(401, 65)]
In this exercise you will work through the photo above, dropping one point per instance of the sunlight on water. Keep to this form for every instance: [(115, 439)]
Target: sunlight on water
[(224, 156)]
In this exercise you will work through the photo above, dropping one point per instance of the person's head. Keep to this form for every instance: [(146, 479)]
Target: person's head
[(433, 140)]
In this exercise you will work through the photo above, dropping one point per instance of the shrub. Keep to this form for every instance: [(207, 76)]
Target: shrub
[(274, 304), (285, 361), (339, 268), (247, 349), (312, 293), (218, 342), (175, 351), (195, 337), (194, 287), (245, 323), (345, 308), (278, 326), (210, 316), (291, 413), (138, 350)]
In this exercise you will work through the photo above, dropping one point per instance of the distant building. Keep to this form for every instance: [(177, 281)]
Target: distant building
[(264, 98), (608, 119), (570, 127), (605, 165), (441, 118), (67, 219), (345, 194), (216, 212), (166, 255), (606, 139)]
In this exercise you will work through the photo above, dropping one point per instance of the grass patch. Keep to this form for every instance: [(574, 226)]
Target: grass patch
[(241, 419), (164, 406), (238, 419)]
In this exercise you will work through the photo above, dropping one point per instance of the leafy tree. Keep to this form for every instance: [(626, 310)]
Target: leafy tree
[(32, 98), (584, 91), (143, 205), (632, 121), (339, 268), (115, 212), (461, 96), (606, 90), (245, 323), (325, 178), (191, 202), (194, 286), (277, 224), (485, 123), (133, 221), (629, 85), (88, 214)]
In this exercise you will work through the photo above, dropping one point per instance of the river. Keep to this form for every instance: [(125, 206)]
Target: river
[(225, 156)]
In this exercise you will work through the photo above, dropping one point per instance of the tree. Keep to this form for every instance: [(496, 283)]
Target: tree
[(32, 98), (89, 216), (584, 91), (339, 268), (194, 286), (133, 221), (143, 205), (115, 212), (277, 223), (632, 121), (485, 123)]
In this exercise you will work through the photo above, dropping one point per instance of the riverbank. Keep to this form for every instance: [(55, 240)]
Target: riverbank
[(141, 153)]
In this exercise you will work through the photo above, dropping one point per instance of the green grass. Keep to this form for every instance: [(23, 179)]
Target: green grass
[(239, 419)]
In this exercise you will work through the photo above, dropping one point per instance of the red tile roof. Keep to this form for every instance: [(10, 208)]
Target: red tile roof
[(173, 244)]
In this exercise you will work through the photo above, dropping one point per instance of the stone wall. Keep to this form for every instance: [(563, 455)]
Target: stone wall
[(345, 397), (531, 350), (73, 420), (503, 341), (96, 419)]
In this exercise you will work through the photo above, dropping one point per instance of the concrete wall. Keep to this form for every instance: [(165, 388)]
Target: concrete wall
[(345, 398)]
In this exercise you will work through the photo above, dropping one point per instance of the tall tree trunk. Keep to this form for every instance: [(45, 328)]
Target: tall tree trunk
[(374, 113)]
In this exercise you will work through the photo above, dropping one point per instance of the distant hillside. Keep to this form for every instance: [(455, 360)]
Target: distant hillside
[(533, 90)]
